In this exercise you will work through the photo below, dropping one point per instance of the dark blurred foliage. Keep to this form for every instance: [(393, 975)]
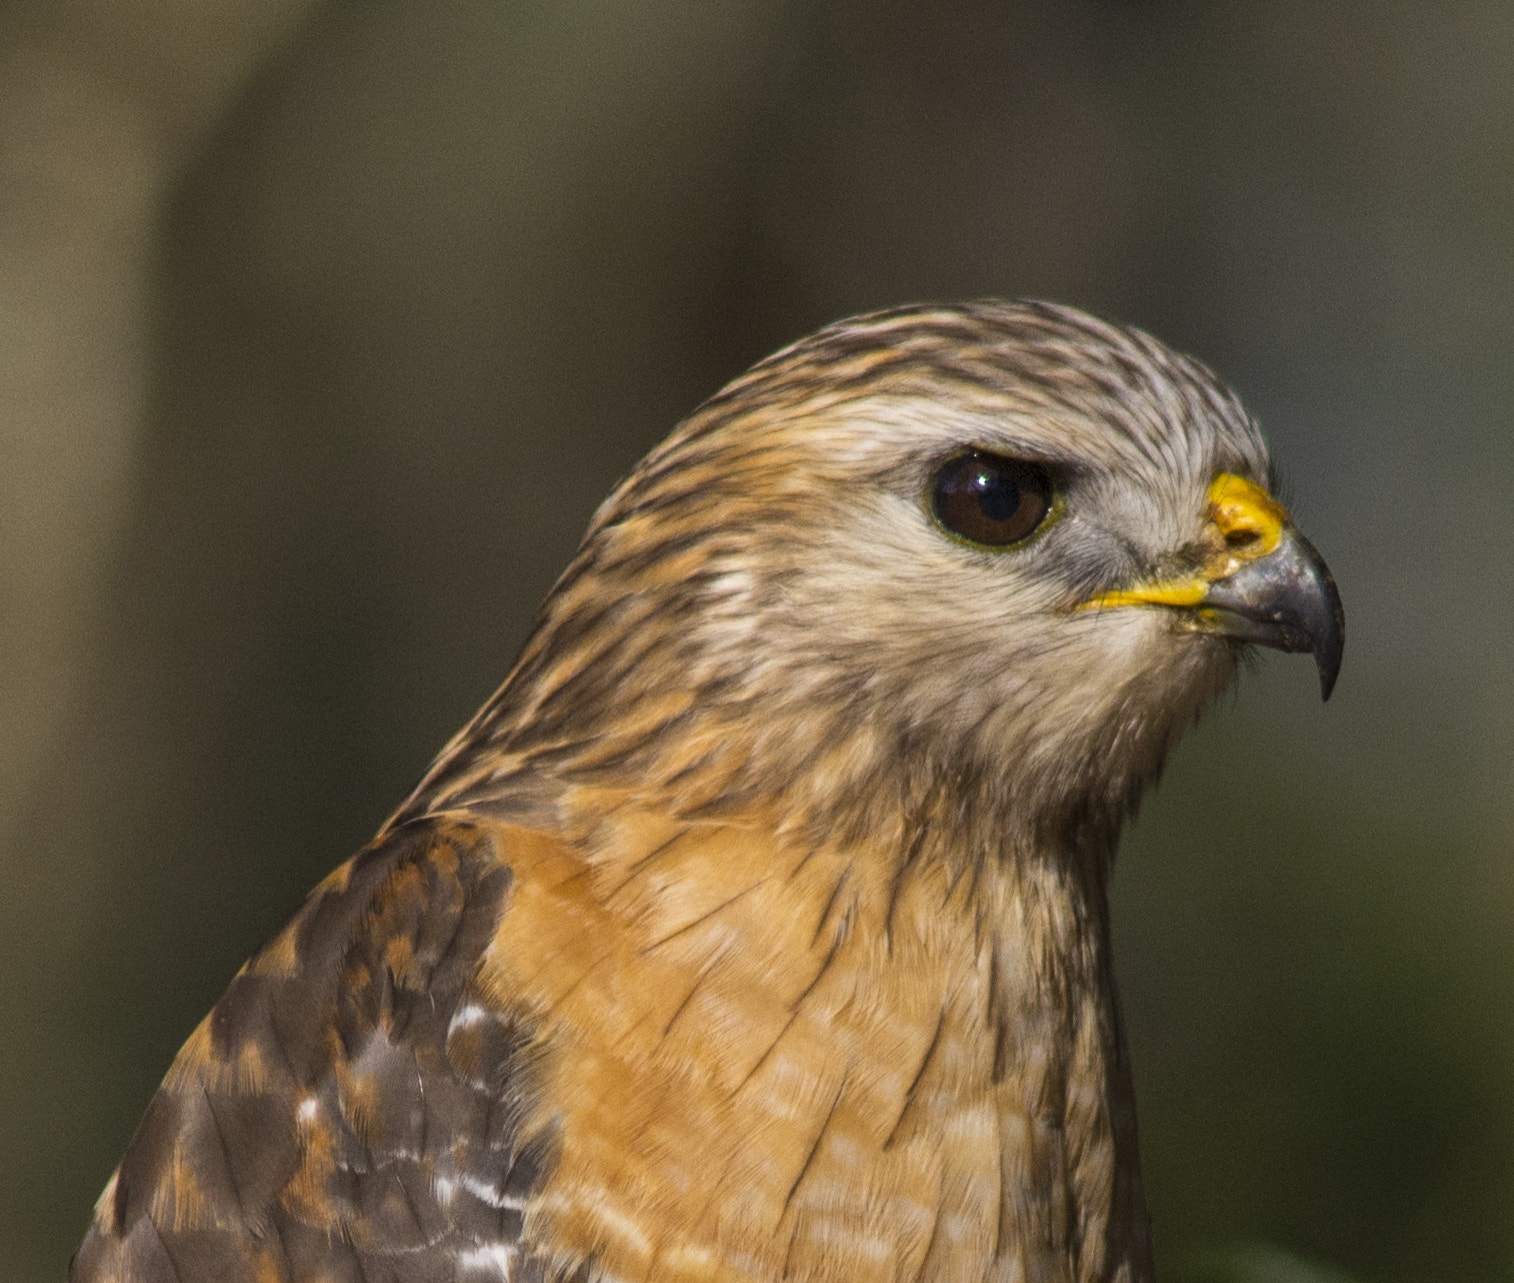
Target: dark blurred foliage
[(448, 267)]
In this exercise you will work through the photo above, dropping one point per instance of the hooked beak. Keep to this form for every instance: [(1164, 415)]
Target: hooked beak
[(1263, 582)]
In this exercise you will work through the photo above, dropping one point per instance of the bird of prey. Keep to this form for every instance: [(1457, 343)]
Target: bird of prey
[(757, 928)]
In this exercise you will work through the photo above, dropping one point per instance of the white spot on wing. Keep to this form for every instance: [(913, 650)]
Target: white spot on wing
[(486, 1193), (470, 1013), (497, 1260)]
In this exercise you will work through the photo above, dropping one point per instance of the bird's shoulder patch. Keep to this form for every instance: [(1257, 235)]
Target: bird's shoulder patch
[(351, 1100)]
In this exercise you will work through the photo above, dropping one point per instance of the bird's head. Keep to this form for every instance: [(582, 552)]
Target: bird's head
[(980, 563)]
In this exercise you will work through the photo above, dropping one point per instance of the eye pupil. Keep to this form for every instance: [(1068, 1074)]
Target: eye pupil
[(998, 495), (990, 500)]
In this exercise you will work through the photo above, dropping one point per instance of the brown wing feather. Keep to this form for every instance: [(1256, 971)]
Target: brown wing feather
[(350, 1108)]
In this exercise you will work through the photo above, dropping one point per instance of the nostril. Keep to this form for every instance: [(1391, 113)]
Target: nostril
[(1242, 537)]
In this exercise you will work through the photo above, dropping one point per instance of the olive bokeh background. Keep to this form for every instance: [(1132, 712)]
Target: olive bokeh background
[(323, 328)]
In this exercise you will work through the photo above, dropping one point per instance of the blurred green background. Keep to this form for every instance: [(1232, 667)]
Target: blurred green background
[(323, 327)]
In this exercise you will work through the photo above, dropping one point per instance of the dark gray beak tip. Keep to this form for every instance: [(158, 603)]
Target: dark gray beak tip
[(1329, 640), (1286, 599)]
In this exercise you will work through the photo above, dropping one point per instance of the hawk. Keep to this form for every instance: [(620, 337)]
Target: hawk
[(757, 928)]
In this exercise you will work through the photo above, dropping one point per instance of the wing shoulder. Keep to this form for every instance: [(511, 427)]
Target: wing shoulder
[(352, 1107)]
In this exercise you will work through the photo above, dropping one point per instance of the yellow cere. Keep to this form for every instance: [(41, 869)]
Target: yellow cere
[(1249, 524), (1240, 508)]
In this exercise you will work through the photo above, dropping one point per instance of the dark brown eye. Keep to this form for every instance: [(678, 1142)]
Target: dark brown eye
[(989, 499)]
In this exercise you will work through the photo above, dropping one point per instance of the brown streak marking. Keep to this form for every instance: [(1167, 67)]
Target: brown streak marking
[(808, 856), (849, 920), (794, 1015), (954, 881), (815, 1148), (702, 918), (637, 866), (972, 899), (896, 888), (562, 997), (999, 1027), (575, 877), (682, 1006), (705, 765), (909, 1094), (825, 913)]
